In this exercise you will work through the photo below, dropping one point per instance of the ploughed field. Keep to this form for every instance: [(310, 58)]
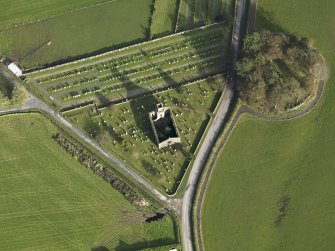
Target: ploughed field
[(273, 185), (49, 201), (125, 130), (135, 70)]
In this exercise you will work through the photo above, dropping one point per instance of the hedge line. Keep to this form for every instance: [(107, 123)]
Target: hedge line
[(90, 162)]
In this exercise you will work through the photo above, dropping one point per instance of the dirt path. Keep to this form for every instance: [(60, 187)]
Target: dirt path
[(247, 110)]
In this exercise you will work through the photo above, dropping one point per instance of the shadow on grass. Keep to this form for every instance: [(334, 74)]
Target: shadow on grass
[(140, 107), (100, 248), (89, 54), (264, 20), (123, 246)]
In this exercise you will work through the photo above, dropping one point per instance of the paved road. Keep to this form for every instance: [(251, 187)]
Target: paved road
[(205, 149)]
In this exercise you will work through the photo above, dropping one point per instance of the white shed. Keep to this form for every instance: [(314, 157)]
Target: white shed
[(15, 69)]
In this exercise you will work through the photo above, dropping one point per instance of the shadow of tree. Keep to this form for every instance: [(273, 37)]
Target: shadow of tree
[(123, 246), (6, 87), (140, 109), (100, 248), (264, 19)]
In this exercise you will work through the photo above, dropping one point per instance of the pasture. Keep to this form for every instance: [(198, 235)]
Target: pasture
[(164, 18), (136, 70), (124, 129), (273, 185), (48, 201), (18, 11), (77, 34)]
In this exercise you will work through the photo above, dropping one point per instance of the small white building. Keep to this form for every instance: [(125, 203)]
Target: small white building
[(15, 69)]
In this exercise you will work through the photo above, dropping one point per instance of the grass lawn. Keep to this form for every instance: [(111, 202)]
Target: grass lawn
[(164, 17), (125, 130), (48, 201), (273, 187), (83, 32), (18, 11)]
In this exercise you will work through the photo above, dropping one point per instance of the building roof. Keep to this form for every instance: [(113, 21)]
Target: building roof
[(15, 69)]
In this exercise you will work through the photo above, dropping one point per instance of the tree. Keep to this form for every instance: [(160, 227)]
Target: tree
[(276, 71)]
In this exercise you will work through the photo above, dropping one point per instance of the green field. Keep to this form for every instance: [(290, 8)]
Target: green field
[(164, 18), (20, 11), (76, 34), (136, 70), (125, 130), (273, 186), (48, 201)]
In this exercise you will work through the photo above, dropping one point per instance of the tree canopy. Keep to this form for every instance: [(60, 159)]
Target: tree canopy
[(276, 72)]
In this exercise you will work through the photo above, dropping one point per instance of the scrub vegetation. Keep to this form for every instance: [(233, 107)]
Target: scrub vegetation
[(277, 72)]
